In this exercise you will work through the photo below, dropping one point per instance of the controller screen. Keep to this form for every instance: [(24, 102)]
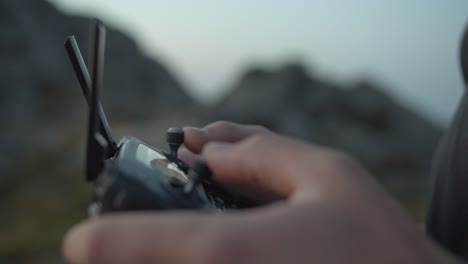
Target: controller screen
[(155, 160)]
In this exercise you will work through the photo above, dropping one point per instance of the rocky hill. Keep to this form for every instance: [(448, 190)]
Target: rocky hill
[(393, 142), (42, 112), (43, 117), (39, 87)]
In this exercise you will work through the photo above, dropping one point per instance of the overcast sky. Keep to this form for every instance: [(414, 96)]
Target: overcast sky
[(411, 46)]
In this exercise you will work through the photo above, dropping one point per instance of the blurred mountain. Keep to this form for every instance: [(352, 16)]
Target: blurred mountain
[(37, 78), (40, 95), (43, 117), (393, 142)]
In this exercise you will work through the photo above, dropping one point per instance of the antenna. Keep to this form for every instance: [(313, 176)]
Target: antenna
[(84, 79), (464, 56), (97, 146)]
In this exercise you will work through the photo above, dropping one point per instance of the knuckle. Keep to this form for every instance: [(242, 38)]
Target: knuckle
[(219, 125), (236, 130), (258, 140)]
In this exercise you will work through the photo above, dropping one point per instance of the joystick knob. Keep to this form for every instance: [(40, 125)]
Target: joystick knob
[(175, 138), (199, 172)]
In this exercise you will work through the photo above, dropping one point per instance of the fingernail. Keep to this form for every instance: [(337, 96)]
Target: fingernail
[(182, 151), (185, 155), (195, 129)]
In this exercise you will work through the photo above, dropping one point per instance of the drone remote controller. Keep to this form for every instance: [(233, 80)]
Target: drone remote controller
[(132, 175)]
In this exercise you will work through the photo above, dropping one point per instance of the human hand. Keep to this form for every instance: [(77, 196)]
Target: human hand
[(332, 212)]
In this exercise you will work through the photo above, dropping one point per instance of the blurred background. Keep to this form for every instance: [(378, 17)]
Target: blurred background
[(379, 79)]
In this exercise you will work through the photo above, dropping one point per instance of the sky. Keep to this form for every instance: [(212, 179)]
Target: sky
[(410, 47)]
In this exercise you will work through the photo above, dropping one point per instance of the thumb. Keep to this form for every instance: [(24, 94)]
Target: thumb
[(175, 237)]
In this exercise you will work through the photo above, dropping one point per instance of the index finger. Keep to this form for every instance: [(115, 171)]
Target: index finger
[(224, 131), (269, 162), (285, 166)]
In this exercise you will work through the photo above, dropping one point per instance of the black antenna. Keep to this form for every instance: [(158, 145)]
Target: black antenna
[(84, 79), (97, 146), (464, 56)]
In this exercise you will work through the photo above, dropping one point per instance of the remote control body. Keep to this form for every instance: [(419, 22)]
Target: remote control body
[(132, 175)]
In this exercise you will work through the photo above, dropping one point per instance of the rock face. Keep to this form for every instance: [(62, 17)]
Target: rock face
[(35, 69), (40, 96), (394, 143), (38, 84), (43, 116), (42, 112)]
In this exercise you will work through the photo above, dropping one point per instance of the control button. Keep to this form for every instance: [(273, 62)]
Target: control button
[(175, 138)]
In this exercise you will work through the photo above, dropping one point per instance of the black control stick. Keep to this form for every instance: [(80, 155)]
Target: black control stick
[(175, 138)]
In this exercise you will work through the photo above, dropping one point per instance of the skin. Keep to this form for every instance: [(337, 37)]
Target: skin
[(331, 211)]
